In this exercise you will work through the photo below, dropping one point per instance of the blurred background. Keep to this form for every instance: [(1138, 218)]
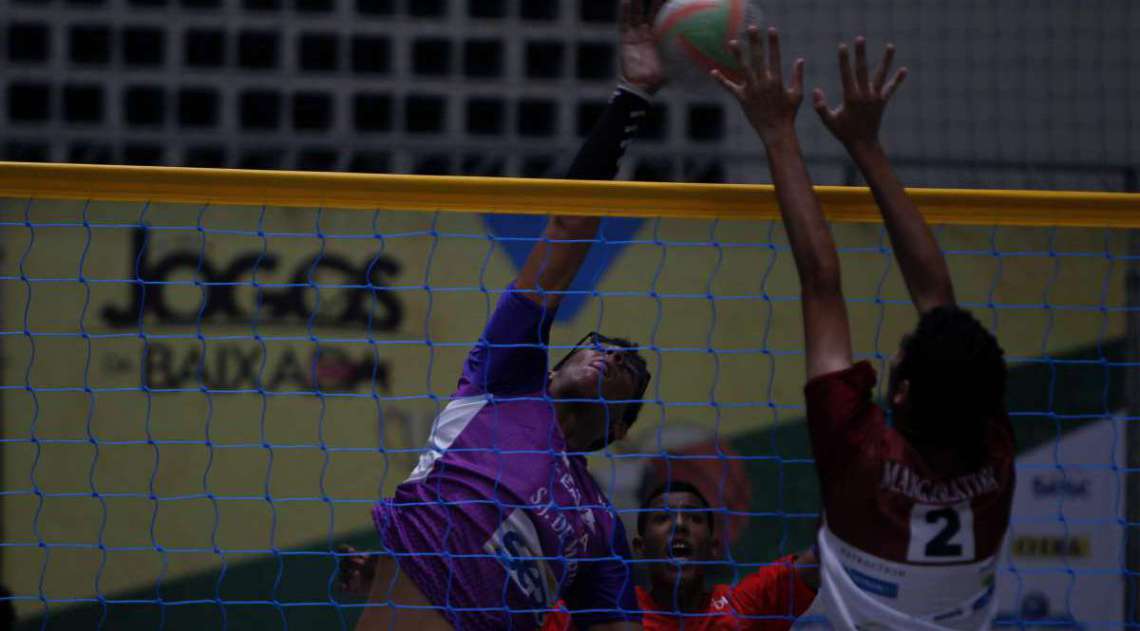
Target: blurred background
[(1021, 93), (214, 506)]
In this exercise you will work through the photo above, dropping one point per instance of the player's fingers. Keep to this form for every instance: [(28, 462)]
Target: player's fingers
[(845, 75), (756, 51), (654, 11), (625, 11), (883, 69), (819, 104), (894, 83), (798, 77), (735, 89), (861, 63), (738, 55), (775, 59)]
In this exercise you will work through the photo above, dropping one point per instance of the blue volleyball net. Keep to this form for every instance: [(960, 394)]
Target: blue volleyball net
[(201, 402)]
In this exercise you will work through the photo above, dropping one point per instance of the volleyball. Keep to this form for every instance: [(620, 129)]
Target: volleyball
[(693, 36)]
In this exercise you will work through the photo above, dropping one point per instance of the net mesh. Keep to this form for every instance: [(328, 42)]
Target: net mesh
[(200, 403)]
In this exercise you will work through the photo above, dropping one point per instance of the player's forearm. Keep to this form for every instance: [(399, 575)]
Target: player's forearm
[(555, 261), (808, 233), (601, 154), (920, 258)]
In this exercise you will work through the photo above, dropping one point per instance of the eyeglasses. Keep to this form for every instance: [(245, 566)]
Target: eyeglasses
[(600, 342)]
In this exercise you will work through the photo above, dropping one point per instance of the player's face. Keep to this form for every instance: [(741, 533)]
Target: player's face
[(678, 535), (598, 369)]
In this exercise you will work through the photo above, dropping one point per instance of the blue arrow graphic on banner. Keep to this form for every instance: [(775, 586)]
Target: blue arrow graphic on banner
[(521, 231)]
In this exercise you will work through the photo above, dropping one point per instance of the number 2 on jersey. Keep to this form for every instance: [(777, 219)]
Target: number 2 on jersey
[(941, 534)]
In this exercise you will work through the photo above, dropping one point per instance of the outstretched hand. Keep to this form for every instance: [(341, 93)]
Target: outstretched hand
[(641, 64), (771, 106), (856, 121)]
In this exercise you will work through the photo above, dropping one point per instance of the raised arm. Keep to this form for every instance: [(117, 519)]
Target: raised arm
[(856, 124), (771, 108), (555, 260)]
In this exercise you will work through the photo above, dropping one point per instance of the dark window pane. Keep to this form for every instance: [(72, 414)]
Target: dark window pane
[(375, 7), (597, 10), (261, 5), (704, 171), (432, 165), (20, 151), (144, 46), (490, 8), (372, 112), (317, 159), (198, 107), (261, 159), (29, 102), (544, 60), (538, 10), (83, 104), (706, 122), (312, 110), (370, 162), (427, 8), (142, 154), (206, 157), (90, 44), (28, 42), (483, 58), (258, 49), (596, 61), (431, 57), (320, 51), (538, 166), (89, 153), (205, 48), (314, 6), (201, 4), (145, 106), (654, 170), (371, 55), (425, 114), (483, 165), (485, 116), (537, 118), (260, 109)]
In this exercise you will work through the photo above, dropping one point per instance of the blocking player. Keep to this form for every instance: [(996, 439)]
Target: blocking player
[(500, 517), (677, 532), (914, 514)]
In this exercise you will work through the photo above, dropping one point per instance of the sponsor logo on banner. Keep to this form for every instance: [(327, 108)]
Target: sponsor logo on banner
[(351, 295), (1052, 547), (1057, 486)]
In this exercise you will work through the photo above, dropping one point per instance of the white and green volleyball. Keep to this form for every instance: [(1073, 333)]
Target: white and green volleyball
[(693, 37)]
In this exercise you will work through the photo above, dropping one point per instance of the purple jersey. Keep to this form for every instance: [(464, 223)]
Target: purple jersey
[(496, 519)]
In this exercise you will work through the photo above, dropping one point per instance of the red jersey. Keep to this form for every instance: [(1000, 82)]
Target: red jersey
[(769, 599), (901, 536)]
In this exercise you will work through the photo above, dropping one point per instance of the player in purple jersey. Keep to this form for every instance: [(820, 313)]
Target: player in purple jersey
[(501, 518)]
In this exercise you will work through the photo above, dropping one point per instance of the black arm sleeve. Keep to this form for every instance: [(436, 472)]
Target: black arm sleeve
[(598, 158)]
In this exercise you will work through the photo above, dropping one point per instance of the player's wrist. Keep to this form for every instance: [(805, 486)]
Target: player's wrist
[(639, 88)]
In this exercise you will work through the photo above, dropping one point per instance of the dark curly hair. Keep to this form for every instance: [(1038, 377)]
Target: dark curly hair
[(957, 377), (673, 486)]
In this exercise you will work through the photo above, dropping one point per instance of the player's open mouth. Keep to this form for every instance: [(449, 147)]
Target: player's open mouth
[(680, 550)]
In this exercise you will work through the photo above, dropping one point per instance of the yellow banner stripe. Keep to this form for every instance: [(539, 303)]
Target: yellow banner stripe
[(234, 187)]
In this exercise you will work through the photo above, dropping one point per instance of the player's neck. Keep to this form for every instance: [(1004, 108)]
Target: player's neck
[(687, 597), (577, 422)]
